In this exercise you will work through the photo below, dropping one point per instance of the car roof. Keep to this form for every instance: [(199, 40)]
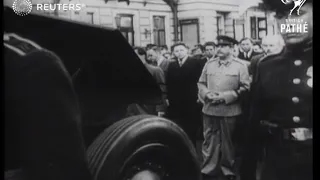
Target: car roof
[(103, 53)]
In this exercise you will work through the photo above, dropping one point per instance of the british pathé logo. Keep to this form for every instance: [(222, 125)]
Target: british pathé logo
[(297, 4), (294, 26)]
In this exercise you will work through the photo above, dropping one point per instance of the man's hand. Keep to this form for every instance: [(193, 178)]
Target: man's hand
[(214, 98), (161, 114), (217, 99), (210, 96)]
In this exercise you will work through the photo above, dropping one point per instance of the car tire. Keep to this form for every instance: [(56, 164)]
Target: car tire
[(141, 143)]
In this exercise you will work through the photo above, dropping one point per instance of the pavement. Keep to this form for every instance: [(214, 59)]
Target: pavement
[(198, 149)]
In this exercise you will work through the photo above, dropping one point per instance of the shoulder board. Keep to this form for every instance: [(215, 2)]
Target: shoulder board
[(243, 62), (214, 59), (19, 45)]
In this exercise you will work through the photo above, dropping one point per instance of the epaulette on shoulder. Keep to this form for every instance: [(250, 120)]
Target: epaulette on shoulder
[(20, 45), (214, 59), (242, 62)]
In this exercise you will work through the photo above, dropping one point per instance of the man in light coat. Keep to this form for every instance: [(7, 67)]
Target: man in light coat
[(222, 82)]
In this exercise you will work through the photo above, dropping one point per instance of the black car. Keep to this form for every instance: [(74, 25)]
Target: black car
[(107, 77)]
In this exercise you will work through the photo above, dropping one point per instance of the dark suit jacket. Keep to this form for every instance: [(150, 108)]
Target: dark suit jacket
[(254, 61), (164, 66), (241, 56), (182, 88)]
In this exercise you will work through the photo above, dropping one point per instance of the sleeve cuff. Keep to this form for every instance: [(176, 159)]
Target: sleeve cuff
[(230, 96)]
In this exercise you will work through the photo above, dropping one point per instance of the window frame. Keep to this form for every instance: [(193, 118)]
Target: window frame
[(259, 19), (189, 22), (92, 16), (253, 27), (158, 31), (127, 30), (222, 17)]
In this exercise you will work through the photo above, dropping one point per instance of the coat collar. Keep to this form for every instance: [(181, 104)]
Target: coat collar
[(226, 62), (181, 62)]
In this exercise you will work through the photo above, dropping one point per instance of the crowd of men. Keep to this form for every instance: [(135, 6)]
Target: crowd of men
[(187, 76), (262, 93), (240, 89)]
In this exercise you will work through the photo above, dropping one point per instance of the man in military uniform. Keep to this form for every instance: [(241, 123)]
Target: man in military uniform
[(282, 100), (42, 117), (222, 82)]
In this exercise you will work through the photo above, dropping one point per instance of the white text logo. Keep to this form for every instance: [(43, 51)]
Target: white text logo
[(294, 26), (24, 7)]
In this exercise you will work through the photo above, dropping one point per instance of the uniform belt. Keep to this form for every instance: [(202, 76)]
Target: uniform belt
[(294, 134)]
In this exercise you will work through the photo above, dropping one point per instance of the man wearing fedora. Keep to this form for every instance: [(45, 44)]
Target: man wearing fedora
[(223, 81)]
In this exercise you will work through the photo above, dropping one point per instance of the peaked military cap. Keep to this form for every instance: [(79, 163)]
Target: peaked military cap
[(226, 40)]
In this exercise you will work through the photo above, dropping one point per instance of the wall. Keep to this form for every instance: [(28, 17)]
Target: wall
[(272, 26), (104, 15), (206, 12)]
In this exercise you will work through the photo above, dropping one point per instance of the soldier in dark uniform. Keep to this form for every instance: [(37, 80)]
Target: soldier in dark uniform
[(42, 117), (282, 100)]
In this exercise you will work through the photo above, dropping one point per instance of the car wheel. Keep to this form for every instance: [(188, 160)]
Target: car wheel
[(143, 143)]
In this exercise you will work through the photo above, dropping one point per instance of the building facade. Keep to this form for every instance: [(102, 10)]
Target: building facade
[(151, 21)]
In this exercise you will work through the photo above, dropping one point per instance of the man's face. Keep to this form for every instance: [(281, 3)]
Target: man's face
[(224, 51), (210, 51), (271, 45), (164, 51), (256, 48), (246, 45), (142, 57), (235, 51), (197, 51), (167, 56), (306, 12), (180, 51), (152, 55)]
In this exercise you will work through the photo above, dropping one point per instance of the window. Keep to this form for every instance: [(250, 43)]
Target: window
[(219, 27), (239, 28), (126, 27), (220, 23), (159, 34), (253, 27), (234, 28), (89, 18), (258, 27), (190, 32), (262, 27)]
